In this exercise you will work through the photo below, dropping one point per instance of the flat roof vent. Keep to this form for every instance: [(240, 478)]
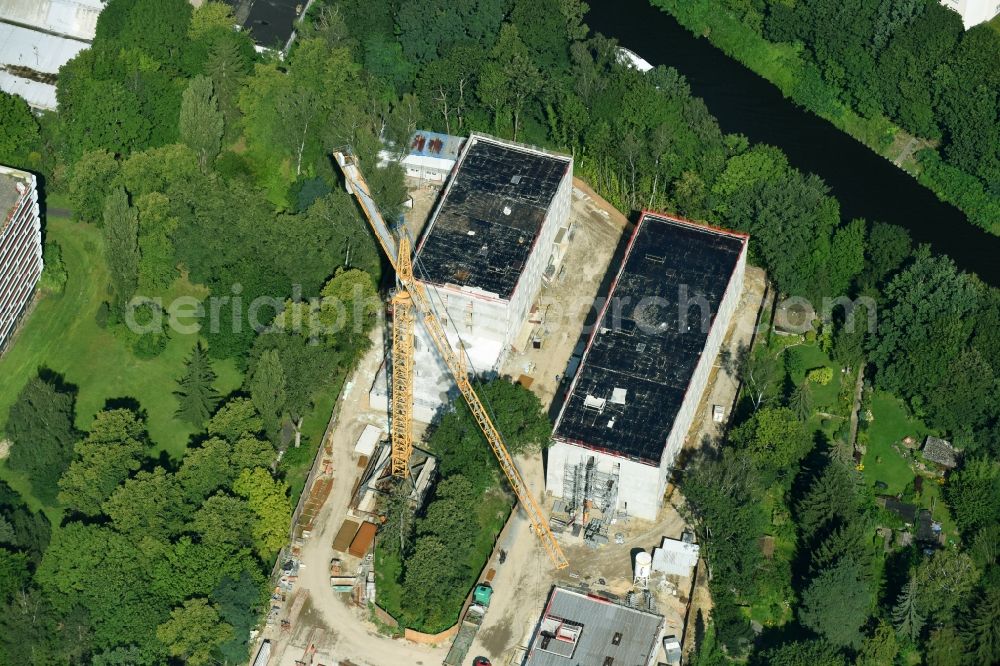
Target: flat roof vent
[(515, 179), (618, 396), (506, 210), (592, 402)]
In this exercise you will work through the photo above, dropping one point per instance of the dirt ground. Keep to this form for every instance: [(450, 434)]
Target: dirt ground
[(338, 631), (342, 633)]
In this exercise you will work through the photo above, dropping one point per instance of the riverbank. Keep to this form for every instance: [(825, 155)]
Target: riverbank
[(784, 66)]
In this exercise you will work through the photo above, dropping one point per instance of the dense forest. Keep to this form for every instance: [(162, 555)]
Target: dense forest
[(196, 161), (871, 66)]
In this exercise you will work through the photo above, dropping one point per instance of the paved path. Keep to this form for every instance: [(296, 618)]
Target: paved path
[(856, 407)]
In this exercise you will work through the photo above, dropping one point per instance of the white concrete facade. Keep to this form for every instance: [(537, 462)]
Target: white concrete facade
[(20, 248), (641, 484), (974, 12)]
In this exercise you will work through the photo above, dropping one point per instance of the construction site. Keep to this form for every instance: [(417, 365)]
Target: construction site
[(509, 267)]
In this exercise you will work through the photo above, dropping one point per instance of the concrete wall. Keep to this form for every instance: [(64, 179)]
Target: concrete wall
[(637, 492), (699, 379), (642, 486), (543, 254)]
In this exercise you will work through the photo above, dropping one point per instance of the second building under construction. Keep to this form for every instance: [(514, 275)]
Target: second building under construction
[(645, 368)]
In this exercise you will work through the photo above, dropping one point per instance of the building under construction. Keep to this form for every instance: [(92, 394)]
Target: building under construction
[(644, 370), (483, 255)]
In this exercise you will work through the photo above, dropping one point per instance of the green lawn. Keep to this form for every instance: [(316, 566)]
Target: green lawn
[(824, 395), (891, 423), (62, 334)]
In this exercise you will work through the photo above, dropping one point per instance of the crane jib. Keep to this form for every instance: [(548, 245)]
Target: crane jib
[(455, 360)]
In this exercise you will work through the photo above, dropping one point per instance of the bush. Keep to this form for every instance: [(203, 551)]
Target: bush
[(54, 276), (822, 375)]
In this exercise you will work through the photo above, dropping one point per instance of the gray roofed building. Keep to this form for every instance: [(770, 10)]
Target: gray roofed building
[(941, 452), (588, 630)]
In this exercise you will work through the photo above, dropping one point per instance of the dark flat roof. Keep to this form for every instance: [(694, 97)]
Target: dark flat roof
[(270, 22), (642, 354), (491, 215)]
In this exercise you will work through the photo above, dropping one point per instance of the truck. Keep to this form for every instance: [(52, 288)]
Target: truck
[(471, 621)]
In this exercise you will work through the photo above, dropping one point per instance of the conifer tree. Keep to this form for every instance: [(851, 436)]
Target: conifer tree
[(905, 616), (195, 391), (267, 389)]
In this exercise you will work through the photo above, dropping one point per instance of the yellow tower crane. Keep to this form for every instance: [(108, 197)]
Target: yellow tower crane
[(412, 299)]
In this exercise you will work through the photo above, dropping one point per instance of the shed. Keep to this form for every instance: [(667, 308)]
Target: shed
[(345, 536), (675, 557), (369, 438), (940, 452), (363, 540)]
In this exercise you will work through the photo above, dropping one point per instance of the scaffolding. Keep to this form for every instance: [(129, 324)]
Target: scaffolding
[(586, 488)]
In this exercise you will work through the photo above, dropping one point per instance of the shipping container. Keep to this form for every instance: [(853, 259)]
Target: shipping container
[(345, 536), (363, 540)]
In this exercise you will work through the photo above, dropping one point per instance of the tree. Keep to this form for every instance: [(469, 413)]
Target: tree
[(923, 325), (432, 572), (397, 531), (121, 246), (981, 628), (99, 114), (157, 266), (110, 452), (945, 648), (722, 502), (837, 603), (973, 493), (24, 530), (201, 122), (195, 390), (944, 582), (267, 389), (509, 79), (847, 257), (240, 600), (41, 431), (228, 64), (802, 401), (90, 177), (20, 130), (829, 499), (211, 18), (460, 445), (881, 648), (235, 420), (905, 615), (194, 632), (888, 247), (268, 499), (147, 505), (803, 653), (774, 436)]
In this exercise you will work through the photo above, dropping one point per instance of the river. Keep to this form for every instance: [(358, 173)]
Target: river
[(866, 184)]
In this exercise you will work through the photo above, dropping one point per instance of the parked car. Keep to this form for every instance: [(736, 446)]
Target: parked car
[(481, 661)]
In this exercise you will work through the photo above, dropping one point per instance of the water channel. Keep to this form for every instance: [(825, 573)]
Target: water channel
[(866, 184)]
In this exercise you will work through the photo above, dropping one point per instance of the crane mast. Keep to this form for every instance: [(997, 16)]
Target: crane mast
[(455, 360)]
